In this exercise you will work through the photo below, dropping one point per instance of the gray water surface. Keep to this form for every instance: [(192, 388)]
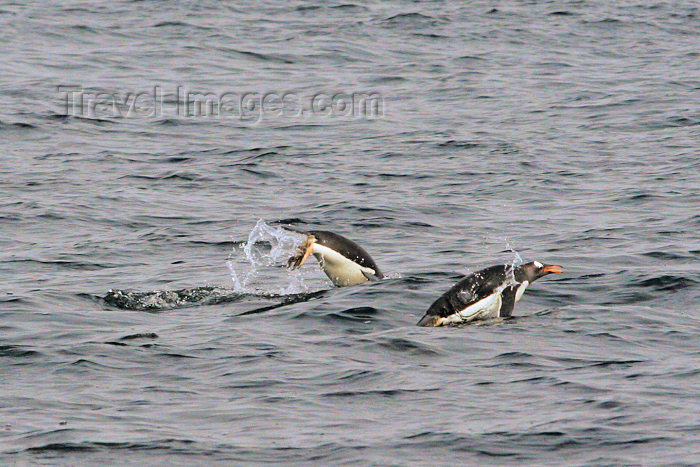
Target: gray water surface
[(564, 131)]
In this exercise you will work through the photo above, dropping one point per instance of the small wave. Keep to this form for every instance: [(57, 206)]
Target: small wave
[(64, 263), (463, 144), (388, 79), (667, 282), (414, 18), (350, 6), (82, 364), (170, 24), (266, 174), (580, 363), (169, 122), (378, 392), (184, 176), (140, 335), (94, 446), (357, 375), (430, 36), (69, 117), (289, 299), (515, 359), (10, 298), (667, 255), (404, 346), (362, 313), (261, 149), (682, 121), (290, 220), (276, 58), (85, 28), (515, 355), (174, 159), (17, 351), (15, 125)]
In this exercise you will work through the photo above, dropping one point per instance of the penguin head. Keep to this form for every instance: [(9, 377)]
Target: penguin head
[(534, 270)]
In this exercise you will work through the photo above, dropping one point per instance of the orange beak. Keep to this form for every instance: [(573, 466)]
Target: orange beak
[(553, 268)]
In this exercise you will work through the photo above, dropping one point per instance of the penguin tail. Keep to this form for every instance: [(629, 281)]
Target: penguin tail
[(430, 321), (302, 254)]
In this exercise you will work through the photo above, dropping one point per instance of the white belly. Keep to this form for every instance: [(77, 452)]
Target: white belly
[(338, 268), (487, 307)]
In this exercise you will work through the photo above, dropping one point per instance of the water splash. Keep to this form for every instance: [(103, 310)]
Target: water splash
[(159, 300), (267, 247), (510, 269)]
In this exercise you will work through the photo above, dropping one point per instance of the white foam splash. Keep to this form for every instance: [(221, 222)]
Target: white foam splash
[(510, 269), (247, 261), (392, 275)]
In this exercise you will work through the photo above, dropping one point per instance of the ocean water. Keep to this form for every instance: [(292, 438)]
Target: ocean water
[(151, 149)]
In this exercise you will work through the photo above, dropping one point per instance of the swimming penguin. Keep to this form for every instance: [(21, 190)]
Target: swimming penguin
[(344, 261), (489, 293)]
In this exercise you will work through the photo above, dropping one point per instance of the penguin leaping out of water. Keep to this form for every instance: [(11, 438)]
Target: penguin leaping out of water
[(344, 261), (489, 293)]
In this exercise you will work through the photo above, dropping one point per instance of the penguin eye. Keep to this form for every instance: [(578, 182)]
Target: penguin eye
[(538, 264)]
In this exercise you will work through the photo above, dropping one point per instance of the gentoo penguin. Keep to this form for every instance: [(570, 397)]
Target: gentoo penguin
[(489, 293), (344, 261)]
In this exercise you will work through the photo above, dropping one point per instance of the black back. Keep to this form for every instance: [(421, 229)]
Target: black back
[(471, 289), (347, 248)]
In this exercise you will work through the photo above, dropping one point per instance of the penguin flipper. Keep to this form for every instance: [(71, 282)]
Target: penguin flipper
[(507, 301), (370, 276)]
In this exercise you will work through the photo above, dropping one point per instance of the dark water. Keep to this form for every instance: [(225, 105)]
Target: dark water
[(565, 131)]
